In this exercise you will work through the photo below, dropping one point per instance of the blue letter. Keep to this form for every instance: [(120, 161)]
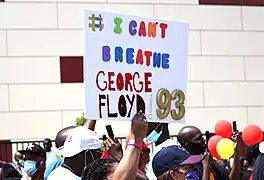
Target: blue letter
[(156, 59), (130, 56), (106, 53), (132, 27), (118, 54), (165, 61)]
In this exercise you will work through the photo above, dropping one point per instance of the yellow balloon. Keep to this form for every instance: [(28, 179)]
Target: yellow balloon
[(225, 148)]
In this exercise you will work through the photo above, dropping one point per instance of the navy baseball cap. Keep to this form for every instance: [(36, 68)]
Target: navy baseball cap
[(173, 156)]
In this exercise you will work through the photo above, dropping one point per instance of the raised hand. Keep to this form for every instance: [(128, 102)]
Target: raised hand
[(139, 127)]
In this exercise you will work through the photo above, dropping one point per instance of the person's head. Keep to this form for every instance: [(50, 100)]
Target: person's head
[(19, 158), (61, 136), (10, 171), (251, 155), (47, 144), (81, 147), (35, 157), (100, 169), (175, 163), (191, 138), (144, 156)]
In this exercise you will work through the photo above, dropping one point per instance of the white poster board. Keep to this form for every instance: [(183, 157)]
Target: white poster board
[(134, 63)]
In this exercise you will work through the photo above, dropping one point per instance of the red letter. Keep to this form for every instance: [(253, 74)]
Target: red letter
[(128, 77), (148, 54), (119, 82), (147, 82), (142, 29), (163, 28), (110, 81), (139, 58), (140, 83), (97, 79)]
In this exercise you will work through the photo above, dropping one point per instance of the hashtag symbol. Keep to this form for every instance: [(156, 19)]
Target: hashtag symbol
[(96, 22)]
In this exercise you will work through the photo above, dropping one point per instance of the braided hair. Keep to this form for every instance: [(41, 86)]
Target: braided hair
[(98, 170)]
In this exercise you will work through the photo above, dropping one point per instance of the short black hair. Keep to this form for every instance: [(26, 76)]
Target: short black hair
[(98, 170), (251, 154), (9, 171), (47, 141)]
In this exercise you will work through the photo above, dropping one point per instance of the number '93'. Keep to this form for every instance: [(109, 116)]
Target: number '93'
[(164, 100)]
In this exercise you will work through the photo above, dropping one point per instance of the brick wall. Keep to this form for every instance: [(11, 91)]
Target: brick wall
[(226, 65)]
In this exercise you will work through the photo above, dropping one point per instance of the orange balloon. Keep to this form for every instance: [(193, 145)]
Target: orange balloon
[(252, 134), (223, 128)]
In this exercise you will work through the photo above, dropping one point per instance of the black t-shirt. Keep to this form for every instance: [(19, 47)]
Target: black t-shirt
[(220, 173), (245, 175), (258, 172)]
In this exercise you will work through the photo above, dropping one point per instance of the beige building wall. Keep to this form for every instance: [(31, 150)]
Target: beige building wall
[(226, 63)]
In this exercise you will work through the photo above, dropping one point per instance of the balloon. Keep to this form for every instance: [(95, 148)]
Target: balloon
[(212, 145), (223, 128), (252, 134), (225, 148)]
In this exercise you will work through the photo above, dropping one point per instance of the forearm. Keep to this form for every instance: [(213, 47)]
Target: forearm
[(127, 168), (206, 172), (236, 168)]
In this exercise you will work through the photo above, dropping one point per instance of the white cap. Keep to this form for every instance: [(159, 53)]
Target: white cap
[(79, 139), (261, 147)]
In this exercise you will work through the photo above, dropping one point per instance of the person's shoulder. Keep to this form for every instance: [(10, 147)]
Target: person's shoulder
[(219, 171), (245, 174), (259, 165), (59, 173)]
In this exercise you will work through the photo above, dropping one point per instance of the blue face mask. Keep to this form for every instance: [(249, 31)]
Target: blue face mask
[(154, 136), (30, 167), (21, 162), (192, 175)]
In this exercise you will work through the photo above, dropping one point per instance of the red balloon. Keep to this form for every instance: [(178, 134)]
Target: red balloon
[(252, 134), (212, 145), (223, 128)]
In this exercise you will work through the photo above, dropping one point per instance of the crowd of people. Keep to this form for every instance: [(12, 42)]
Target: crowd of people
[(80, 155)]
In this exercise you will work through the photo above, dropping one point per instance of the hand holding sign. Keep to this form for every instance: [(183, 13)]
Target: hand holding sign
[(139, 127)]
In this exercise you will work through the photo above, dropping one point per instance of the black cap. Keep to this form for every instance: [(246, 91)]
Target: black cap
[(35, 149)]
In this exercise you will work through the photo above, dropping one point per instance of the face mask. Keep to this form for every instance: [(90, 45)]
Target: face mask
[(21, 162), (154, 136), (192, 175), (30, 167)]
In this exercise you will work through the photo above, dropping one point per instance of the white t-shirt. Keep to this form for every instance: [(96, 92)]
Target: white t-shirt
[(169, 142), (51, 156), (62, 173)]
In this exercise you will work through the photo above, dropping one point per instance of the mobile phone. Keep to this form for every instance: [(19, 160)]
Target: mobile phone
[(207, 136), (110, 131), (234, 126)]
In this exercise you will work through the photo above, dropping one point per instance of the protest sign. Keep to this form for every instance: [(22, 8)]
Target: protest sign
[(133, 63)]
